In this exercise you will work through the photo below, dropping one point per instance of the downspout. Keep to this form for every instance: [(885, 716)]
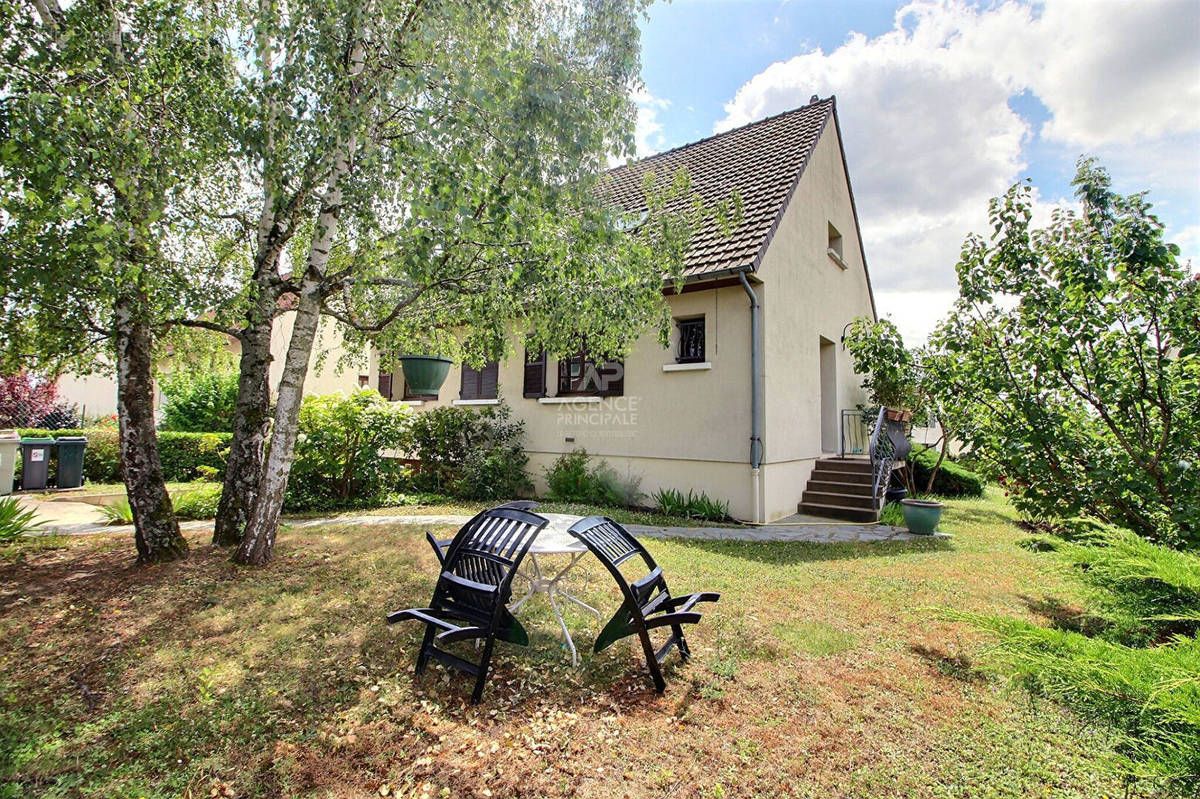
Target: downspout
[(755, 400)]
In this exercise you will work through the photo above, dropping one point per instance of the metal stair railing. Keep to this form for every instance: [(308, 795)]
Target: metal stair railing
[(883, 455)]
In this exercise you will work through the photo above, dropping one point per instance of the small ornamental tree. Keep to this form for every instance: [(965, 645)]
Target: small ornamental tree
[(1072, 361), (27, 401)]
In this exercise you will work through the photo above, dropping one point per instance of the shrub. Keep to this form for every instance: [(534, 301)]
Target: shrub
[(1140, 672), (15, 520), (892, 515), (952, 479), (28, 401), (199, 403), (692, 506), (469, 453), (571, 478), (183, 454), (338, 460), (119, 512), (197, 503)]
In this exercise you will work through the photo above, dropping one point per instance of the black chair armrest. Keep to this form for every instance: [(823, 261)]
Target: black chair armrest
[(684, 603), (439, 545), (668, 619)]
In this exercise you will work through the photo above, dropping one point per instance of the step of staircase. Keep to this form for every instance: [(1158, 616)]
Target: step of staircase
[(840, 488), (858, 488), (839, 512), (810, 497)]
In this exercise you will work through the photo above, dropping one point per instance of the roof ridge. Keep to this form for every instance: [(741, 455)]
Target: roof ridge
[(812, 104)]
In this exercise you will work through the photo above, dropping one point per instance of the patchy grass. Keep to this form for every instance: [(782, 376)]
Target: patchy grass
[(820, 673)]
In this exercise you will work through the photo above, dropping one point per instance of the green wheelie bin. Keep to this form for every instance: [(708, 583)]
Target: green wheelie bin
[(70, 460)]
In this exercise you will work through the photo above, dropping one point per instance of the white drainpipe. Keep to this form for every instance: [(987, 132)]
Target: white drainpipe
[(755, 401)]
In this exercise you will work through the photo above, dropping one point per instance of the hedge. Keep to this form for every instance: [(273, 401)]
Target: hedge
[(182, 454), (952, 480)]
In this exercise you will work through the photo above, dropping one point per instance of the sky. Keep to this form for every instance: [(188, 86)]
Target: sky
[(944, 105)]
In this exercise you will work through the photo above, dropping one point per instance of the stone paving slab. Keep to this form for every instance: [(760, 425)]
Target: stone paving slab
[(820, 532)]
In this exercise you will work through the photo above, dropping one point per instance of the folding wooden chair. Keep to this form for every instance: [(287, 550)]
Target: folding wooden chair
[(469, 601), (648, 603)]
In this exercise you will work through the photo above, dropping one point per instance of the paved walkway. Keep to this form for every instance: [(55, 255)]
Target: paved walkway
[(77, 518)]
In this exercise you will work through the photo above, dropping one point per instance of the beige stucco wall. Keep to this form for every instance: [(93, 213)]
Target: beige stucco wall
[(94, 395), (807, 296), (675, 429), (329, 371)]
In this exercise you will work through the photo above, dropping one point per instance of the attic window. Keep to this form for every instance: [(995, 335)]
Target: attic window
[(834, 248)]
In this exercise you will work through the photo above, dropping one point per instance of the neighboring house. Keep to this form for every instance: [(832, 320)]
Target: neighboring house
[(95, 395), (682, 417)]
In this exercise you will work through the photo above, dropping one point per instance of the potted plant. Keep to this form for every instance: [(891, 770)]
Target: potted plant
[(921, 516), (424, 373)]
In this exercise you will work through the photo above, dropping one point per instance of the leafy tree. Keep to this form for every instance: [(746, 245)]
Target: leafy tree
[(431, 168), (26, 401), (198, 404), (112, 143), (1072, 361)]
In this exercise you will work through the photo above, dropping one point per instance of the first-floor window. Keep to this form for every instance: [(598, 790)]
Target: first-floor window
[(691, 340), (480, 383), (534, 384), (580, 373)]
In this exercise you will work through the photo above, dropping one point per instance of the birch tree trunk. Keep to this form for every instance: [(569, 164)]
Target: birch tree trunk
[(251, 422), (156, 532), (258, 542)]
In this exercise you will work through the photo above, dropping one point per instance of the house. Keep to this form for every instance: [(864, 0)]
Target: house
[(748, 396)]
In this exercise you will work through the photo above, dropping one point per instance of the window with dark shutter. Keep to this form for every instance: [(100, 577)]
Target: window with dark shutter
[(535, 373), (385, 385), (691, 340), (480, 383), (580, 374), (409, 395)]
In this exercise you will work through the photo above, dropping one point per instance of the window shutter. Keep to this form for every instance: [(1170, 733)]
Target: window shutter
[(385, 385), (480, 383), (470, 383), (535, 374), (489, 380)]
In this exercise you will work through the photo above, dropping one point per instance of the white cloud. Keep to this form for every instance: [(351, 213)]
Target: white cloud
[(932, 135), (648, 133)]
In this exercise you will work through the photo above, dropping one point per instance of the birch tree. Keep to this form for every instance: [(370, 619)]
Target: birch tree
[(112, 140), (442, 159)]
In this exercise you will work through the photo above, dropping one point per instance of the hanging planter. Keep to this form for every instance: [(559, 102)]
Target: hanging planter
[(921, 516), (424, 373), (898, 415)]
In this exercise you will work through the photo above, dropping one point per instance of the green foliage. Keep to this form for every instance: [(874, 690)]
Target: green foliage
[(892, 374), (1152, 695), (197, 503), (691, 506), (951, 480), (117, 512), (892, 515), (572, 478), (185, 456), (1140, 669), (1072, 362), (15, 520), (469, 453), (339, 459), (199, 403), (1146, 593)]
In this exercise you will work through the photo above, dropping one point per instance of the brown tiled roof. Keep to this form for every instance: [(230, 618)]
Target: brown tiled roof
[(761, 162)]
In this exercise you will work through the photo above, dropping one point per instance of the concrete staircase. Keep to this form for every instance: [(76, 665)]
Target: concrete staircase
[(840, 488)]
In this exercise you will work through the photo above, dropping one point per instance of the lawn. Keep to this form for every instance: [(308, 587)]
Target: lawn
[(822, 672)]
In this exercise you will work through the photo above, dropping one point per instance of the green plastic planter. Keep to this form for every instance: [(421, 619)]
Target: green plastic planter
[(424, 373), (920, 516)]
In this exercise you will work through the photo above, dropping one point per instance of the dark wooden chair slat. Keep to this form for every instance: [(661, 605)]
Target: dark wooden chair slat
[(473, 589), (647, 603)]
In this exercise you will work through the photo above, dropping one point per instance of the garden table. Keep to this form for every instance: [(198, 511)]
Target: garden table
[(554, 540)]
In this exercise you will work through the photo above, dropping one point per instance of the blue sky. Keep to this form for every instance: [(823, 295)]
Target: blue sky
[(943, 105)]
